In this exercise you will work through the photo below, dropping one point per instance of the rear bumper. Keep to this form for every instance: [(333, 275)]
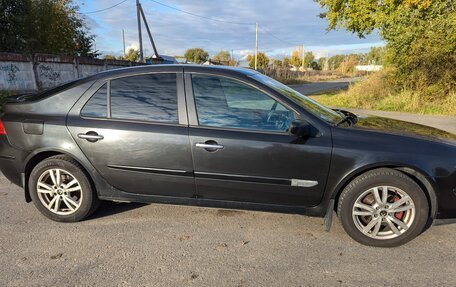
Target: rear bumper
[(8, 168), (11, 160)]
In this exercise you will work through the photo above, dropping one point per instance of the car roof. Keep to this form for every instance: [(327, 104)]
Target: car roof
[(167, 67)]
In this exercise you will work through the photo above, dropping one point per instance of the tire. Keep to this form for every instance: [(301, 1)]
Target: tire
[(73, 200), (408, 215)]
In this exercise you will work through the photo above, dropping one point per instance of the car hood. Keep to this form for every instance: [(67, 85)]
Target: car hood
[(403, 128)]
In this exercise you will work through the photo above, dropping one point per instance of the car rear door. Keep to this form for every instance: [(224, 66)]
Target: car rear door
[(134, 131), (241, 150)]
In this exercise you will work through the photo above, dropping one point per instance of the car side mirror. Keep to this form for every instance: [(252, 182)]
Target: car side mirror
[(300, 128)]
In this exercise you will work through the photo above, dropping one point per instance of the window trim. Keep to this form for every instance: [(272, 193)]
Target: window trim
[(108, 100), (181, 108), (193, 113)]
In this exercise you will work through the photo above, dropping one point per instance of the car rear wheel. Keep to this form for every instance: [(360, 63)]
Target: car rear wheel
[(383, 208), (61, 190)]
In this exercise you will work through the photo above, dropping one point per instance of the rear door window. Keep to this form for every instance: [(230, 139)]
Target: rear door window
[(150, 97)]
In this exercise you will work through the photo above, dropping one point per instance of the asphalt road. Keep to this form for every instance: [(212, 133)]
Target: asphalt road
[(316, 87)]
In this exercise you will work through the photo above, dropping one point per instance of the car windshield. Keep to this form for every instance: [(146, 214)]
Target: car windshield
[(324, 113)]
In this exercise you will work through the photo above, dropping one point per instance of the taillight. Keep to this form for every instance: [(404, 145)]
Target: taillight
[(2, 128)]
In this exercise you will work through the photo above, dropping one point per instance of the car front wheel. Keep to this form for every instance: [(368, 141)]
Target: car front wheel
[(383, 208)]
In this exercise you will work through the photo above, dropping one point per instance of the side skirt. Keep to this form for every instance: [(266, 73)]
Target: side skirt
[(203, 202)]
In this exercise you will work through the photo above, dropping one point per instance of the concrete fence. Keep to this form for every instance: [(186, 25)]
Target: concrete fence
[(25, 72)]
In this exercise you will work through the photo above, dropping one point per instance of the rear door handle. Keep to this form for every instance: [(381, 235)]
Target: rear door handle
[(210, 146), (91, 136)]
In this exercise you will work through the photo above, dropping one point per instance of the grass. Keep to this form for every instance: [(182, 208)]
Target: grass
[(371, 94)]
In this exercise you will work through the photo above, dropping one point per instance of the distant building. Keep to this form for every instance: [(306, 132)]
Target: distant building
[(212, 62), (166, 60), (368, 68), (243, 64), (181, 60)]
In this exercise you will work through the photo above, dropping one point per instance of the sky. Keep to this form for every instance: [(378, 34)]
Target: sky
[(283, 25)]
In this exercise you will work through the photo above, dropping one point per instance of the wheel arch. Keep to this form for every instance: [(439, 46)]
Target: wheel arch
[(416, 174), (40, 155)]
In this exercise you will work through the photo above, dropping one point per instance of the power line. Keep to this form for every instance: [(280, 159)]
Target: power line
[(277, 38), (265, 31), (201, 16), (104, 9)]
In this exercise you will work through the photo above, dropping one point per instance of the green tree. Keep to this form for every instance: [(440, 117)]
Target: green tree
[(420, 35), (46, 26), (14, 26), (109, 57), (348, 64), (224, 57), (196, 55), (309, 59), (286, 62), (263, 61), (322, 63), (335, 61), (276, 63), (295, 59), (132, 55), (375, 56), (315, 66)]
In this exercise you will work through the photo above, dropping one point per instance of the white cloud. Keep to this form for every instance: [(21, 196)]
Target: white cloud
[(293, 21)]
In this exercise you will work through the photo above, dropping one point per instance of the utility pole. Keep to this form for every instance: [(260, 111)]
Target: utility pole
[(123, 40), (149, 33), (256, 45), (302, 55), (141, 55)]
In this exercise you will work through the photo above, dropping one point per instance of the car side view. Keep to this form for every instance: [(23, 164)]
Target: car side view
[(225, 137)]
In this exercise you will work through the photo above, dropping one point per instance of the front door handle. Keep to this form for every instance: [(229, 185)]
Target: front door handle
[(91, 136), (210, 146)]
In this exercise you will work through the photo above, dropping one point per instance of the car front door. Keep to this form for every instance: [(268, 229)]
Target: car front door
[(242, 150), (134, 131)]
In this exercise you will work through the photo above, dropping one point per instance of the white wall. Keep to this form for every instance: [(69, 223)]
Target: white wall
[(20, 72)]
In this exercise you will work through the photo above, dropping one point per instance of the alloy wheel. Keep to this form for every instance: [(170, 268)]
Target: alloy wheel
[(59, 191), (383, 212)]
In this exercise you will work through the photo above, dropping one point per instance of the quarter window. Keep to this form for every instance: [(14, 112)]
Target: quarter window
[(97, 106), (151, 97), (228, 103)]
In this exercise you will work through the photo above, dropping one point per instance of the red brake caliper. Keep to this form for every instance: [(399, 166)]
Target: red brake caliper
[(398, 215)]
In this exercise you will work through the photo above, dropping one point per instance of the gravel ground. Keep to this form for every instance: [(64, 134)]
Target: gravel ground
[(165, 245)]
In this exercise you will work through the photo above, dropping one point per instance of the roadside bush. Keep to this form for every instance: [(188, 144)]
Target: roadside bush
[(380, 91)]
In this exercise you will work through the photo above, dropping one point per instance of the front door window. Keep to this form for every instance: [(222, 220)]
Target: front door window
[(228, 103)]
